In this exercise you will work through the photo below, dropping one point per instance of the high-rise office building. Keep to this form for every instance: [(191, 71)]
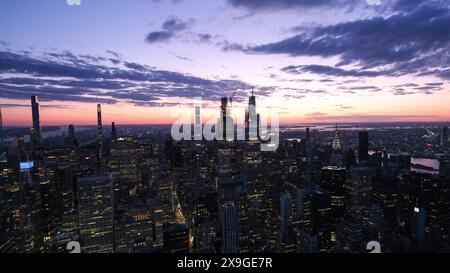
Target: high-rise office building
[(336, 146), (29, 176), (350, 231), (361, 186), (224, 126), (251, 119), (445, 136), (71, 140), (321, 218), (95, 209), (176, 238), (1, 127), (99, 138), (363, 148), (336, 158), (333, 180), (198, 130), (71, 131), (303, 196), (36, 137), (229, 228), (113, 131), (285, 213), (418, 226), (444, 166)]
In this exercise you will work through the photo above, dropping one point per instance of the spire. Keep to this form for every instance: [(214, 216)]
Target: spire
[(336, 144)]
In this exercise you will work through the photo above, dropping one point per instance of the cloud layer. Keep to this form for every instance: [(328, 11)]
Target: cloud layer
[(414, 40), (65, 77)]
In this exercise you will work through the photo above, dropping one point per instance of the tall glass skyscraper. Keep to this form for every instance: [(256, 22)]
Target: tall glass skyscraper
[(95, 205)]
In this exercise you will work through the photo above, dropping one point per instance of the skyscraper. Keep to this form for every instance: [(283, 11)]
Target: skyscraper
[(418, 225), (1, 127), (251, 119), (445, 136), (71, 140), (336, 150), (336, 143), (71, 131), (321, 217), (363, 150), (176, 238), (285, 212), (361, 185), (229, 230), (225, 127), (95, 209), (333, 180), (36, 137), (198, 131), (99, 138), (113, 131)]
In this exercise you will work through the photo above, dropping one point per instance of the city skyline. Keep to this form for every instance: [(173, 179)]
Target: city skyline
[(354, 62)]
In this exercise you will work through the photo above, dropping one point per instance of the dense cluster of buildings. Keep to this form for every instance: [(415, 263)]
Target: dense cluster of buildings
[(135, 189)]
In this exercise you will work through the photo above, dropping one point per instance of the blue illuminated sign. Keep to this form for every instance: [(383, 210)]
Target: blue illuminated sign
[(26, 165)]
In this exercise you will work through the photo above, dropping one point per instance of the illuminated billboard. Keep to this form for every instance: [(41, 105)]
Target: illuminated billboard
[(26, 165)]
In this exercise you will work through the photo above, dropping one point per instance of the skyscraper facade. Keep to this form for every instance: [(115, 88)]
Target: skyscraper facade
[(99, 138), (1, 127), (229, 229), (363, 148), (95, 210), (36, 129)]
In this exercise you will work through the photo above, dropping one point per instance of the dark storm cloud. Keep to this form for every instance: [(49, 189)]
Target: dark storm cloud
[(170, 28), (204, 38), (173, 24), (63, 76), (159, 36), (287, 4), (15, 105), (404, 43), (331, 71)]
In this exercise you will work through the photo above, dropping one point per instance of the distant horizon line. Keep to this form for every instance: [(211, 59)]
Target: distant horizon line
[(284, 125)]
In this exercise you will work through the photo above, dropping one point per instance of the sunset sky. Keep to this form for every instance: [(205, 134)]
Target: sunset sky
[(313, 60)]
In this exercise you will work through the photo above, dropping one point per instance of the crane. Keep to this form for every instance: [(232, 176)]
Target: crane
[(231, 98)]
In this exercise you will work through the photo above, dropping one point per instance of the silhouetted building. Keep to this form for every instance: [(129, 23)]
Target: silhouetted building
[(333, 180), (71, 140), (321, 218), (229, 228), (95, 208), (418, 226), (444, 166), (224, 126), (176, 238), (445, 136), (36, 137), (363, 148), (349, 158), (251, 119), (99, 138), (361, 186), (1, 128), (286, 213), (113, 131)]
